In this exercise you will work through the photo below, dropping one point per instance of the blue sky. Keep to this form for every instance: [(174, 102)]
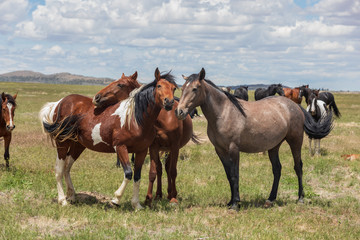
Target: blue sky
[(293, 42)]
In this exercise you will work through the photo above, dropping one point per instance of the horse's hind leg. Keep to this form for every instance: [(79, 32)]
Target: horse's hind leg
[(276, 169), (298, 165), (172, 193), (75, 150), (153, 171), (59, 171)]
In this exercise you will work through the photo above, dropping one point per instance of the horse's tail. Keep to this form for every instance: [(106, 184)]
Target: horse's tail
[(59, 130), (320, 129), (333, 106)]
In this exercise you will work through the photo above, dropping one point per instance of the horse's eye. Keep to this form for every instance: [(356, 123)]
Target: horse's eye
[(158, 86), (194, 89), (120, 85)]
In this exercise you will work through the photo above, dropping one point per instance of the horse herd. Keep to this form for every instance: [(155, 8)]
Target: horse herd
[(126, 117)]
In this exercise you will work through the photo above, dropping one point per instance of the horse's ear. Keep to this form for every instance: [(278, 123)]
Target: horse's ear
[(184, 77), (123, 75), (15, 96), (134, 76), (202, 74), (247, 87), (157, 74), (3, 96)]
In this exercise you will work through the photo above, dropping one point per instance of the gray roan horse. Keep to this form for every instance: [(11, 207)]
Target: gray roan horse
[(236, 125)]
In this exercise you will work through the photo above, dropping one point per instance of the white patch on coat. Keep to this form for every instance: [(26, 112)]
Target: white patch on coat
[(95, 135), (10, 106), (121, 111)]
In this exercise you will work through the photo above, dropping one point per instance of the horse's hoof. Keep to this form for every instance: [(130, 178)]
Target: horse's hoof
[(174, 201), (300, 201), (148, 202), (137, 206), (115, 201), (63, 202), (268, 204), (234, 207)]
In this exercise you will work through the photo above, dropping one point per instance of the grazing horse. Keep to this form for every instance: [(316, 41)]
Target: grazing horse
[(125, 127), (171, 135), (261, 93), (295, 94), (242, 93), (329, 100), (8, 106), (318, 110), (239, 126)]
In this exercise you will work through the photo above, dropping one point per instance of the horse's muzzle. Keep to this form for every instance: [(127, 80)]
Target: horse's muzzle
[(10, 128), (180, 114), (168, 104)]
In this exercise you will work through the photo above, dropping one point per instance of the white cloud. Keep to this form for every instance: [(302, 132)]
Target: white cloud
[(37, 47), (55, 51), (11, 12)]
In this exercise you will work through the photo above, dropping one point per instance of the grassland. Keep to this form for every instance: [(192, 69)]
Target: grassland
[(28, 207)]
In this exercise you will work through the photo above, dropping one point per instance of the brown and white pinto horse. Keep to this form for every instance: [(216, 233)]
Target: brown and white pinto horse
[(126, 127), (171, 135), (8, 106)]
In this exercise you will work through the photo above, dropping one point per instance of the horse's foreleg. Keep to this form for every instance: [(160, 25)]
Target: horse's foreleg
[(310, 150), (59, 173), (276, 169), (7, 140), (154, 155), (317, 146), (123, 156), (139, 161), (172, 193)]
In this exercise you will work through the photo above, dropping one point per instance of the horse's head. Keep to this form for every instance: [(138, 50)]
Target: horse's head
[(164, 90), (193, 94), (279, 89), (312, 102), (8, 106), (116, 91)]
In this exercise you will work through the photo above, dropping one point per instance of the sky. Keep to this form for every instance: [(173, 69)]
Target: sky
[(238, 42)]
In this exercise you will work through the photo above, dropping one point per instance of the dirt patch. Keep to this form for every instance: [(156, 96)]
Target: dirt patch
[(47, 226), (90, 198)]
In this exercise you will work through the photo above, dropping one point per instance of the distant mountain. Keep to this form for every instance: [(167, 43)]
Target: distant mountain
[(58, 78)]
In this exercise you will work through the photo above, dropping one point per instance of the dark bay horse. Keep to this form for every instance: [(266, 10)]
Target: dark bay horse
[(8, 106), (242, 93), (318, 110), (261, 93), (295, 94), (171, 135), (239, 126), (125, 127)]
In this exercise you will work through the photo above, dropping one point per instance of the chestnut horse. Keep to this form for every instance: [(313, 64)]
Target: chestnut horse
[(236, 125), (126, 127), (295, 94), (171, 135), (8, 106)]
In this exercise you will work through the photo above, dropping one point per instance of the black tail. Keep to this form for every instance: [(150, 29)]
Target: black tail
[(320, 129), (62, 130), (333, 106)]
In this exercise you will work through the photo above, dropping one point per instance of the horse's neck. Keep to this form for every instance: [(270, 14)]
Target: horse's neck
[(214, 103)]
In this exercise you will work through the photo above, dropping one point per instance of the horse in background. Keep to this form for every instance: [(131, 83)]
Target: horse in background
[(329, 99), (8, 106), (319, 111), (261, 93), (242, 93), (225, 89), (239, 126), (295, 94), (74, 124), (171, 135)]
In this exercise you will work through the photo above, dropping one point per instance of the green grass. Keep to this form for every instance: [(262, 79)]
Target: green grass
[(28, 207)]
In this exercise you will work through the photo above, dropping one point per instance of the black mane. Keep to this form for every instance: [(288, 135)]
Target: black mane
[(146, 97), (10, 99), (231, 97)]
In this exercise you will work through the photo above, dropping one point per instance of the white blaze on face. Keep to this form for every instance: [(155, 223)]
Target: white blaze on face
[(95, 135), (122, 110), (312, 109), (10, 106)]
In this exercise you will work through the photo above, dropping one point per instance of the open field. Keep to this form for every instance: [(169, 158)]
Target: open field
[(28, 207)]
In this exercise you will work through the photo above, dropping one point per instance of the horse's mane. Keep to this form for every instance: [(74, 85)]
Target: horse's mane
[(231, 97), (10, 99), (144, 96)]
